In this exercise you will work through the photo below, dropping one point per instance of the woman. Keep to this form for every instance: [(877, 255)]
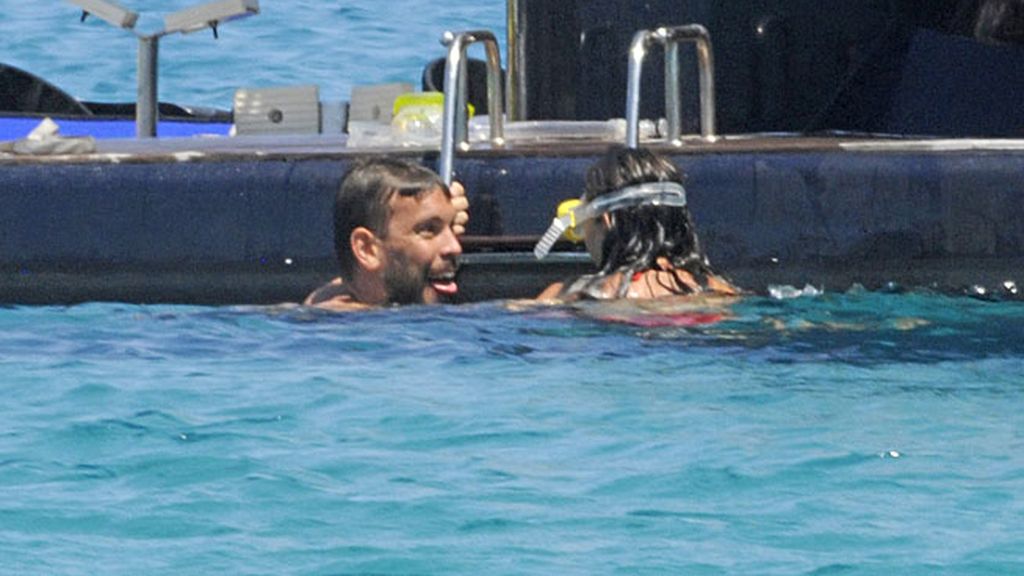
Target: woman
[(639, 231)]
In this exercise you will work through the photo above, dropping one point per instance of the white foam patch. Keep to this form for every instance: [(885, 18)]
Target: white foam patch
[(187, 155), (786, 292), (114, 158)]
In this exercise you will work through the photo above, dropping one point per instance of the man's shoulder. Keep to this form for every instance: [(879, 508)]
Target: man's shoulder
[(333, 296)]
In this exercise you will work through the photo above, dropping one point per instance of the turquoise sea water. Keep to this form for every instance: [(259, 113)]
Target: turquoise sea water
[(837, 434), (332, 43)]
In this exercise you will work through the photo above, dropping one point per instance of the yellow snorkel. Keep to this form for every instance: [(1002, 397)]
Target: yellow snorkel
[(571, 214), (568, 208)]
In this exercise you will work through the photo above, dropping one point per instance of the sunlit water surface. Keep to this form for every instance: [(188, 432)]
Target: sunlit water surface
[(843, 433)]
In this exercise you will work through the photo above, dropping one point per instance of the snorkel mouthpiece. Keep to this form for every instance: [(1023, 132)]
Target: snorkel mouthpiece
[(568, 208), (554, 232), (564, 224), (573, 213)]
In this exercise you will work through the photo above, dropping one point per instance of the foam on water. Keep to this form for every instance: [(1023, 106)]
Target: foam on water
[(861, 433)]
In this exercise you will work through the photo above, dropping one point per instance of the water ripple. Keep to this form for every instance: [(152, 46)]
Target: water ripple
[(452, 439)]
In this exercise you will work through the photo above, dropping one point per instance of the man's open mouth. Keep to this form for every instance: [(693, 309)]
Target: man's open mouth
[(444, 283)]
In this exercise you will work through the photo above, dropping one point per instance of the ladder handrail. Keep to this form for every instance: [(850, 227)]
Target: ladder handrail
[(670, 38), (456, 124)]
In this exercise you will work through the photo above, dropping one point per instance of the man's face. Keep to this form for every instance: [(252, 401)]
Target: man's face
[(421, 249)]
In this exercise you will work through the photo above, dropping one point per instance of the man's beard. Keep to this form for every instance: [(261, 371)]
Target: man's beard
[(404, 283)]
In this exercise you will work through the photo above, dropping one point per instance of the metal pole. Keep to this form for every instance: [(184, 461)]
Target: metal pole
[(495, 92), (462, 111), (706, 59), (452, 67), (673, 106), (699, 35), (515, 83), (146, 105), (637, 53)]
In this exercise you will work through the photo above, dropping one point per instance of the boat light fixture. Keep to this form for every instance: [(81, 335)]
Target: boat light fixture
[(206, 15), (209, 15), (110, 12)]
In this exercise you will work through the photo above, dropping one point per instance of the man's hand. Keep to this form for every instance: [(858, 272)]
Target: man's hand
[(461, 204)]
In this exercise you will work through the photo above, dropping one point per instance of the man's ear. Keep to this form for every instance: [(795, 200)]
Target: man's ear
[(607, 219), (366, 249)]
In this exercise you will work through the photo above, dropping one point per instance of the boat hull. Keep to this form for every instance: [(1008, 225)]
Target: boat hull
[(251, 222)]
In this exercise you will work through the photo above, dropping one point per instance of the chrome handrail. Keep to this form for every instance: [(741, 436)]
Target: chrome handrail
[(515, 81), (670, 38), (456, 124)]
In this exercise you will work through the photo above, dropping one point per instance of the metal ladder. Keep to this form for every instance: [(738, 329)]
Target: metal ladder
[(670, 38), (456, 124)]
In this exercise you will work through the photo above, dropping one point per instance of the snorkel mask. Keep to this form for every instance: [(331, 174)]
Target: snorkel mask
[(573, 213)]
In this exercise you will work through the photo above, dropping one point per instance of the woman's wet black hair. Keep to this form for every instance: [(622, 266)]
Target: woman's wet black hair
[(637, 237)]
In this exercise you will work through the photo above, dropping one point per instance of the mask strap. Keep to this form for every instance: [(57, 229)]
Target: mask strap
[(649, 193)]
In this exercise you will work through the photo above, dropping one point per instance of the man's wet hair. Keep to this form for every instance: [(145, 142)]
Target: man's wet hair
[(364, 200)]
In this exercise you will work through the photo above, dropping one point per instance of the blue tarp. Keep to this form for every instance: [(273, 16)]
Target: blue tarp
[(14, 128)]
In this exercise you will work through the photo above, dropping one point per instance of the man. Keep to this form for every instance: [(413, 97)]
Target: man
[(395, 234)]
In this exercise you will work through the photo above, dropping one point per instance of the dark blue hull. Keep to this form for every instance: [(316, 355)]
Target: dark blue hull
[(253, 225)]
